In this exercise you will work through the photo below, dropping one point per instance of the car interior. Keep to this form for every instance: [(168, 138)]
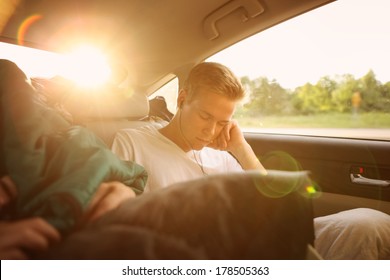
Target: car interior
[(155, 42)]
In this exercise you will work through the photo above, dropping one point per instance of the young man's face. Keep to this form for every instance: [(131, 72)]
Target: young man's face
[(203, 117)]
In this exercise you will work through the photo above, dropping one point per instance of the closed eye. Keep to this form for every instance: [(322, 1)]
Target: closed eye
[(223, 123), (205, 116)]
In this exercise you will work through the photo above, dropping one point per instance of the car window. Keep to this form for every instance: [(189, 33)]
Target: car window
[(323, 73), (85, 65), (34, 62), (169, 91)]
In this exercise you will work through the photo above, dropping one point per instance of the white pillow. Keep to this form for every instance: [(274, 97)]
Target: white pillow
[(360, 233)]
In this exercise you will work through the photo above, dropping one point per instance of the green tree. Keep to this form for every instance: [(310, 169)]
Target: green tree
[(385, 97), (327, 85), (371, 92), (342, 95), (313, 99), (266, 98)]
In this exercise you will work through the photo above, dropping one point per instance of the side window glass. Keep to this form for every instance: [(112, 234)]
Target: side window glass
[(169, 91), (315, 76)]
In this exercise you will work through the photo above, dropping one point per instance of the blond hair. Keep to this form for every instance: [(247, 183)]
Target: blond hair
[(214, 77)]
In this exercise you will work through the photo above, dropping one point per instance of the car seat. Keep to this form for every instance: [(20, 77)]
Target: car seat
[(108, 110)]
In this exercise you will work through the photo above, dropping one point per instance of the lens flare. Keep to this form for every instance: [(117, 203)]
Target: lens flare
[(275, 187), (311, 190), (280, 160), (26, 24)]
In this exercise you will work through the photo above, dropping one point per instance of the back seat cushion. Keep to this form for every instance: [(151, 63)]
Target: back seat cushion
[(107, 105)]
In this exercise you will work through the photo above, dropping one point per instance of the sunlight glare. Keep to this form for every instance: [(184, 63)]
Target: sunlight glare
[(86, 66), (33, 62)]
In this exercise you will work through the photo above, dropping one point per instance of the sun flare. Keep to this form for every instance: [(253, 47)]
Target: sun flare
[(87, 66)]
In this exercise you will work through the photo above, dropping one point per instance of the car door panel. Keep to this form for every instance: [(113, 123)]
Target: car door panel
[(333, 164)]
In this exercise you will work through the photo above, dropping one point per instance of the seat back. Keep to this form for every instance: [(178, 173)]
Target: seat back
[(106, 113)]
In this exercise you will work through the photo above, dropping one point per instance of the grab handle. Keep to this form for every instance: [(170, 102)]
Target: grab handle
[(251, 9)]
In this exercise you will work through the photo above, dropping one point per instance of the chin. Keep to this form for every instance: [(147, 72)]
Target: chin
[(198, 147)]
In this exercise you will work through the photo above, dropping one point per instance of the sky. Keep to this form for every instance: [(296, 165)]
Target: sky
[(346, 36), (295, 52)]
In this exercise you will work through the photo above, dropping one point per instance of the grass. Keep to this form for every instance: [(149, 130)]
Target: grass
[(332, 120)]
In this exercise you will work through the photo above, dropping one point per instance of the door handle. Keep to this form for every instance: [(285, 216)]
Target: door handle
[(361, 180)]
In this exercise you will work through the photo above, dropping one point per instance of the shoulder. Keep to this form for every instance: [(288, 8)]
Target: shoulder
[(142, 131)]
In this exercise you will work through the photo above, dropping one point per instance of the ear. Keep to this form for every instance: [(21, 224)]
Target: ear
[(181, 98)]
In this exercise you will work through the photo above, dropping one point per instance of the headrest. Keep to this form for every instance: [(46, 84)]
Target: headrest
[(108, 105)]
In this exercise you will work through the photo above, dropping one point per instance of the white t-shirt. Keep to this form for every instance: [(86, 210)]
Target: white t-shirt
[(165, 162)]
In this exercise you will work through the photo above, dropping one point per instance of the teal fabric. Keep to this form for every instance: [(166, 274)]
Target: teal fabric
[(57, 166)]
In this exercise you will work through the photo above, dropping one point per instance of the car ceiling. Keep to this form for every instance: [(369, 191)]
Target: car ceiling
[(153, 38)]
